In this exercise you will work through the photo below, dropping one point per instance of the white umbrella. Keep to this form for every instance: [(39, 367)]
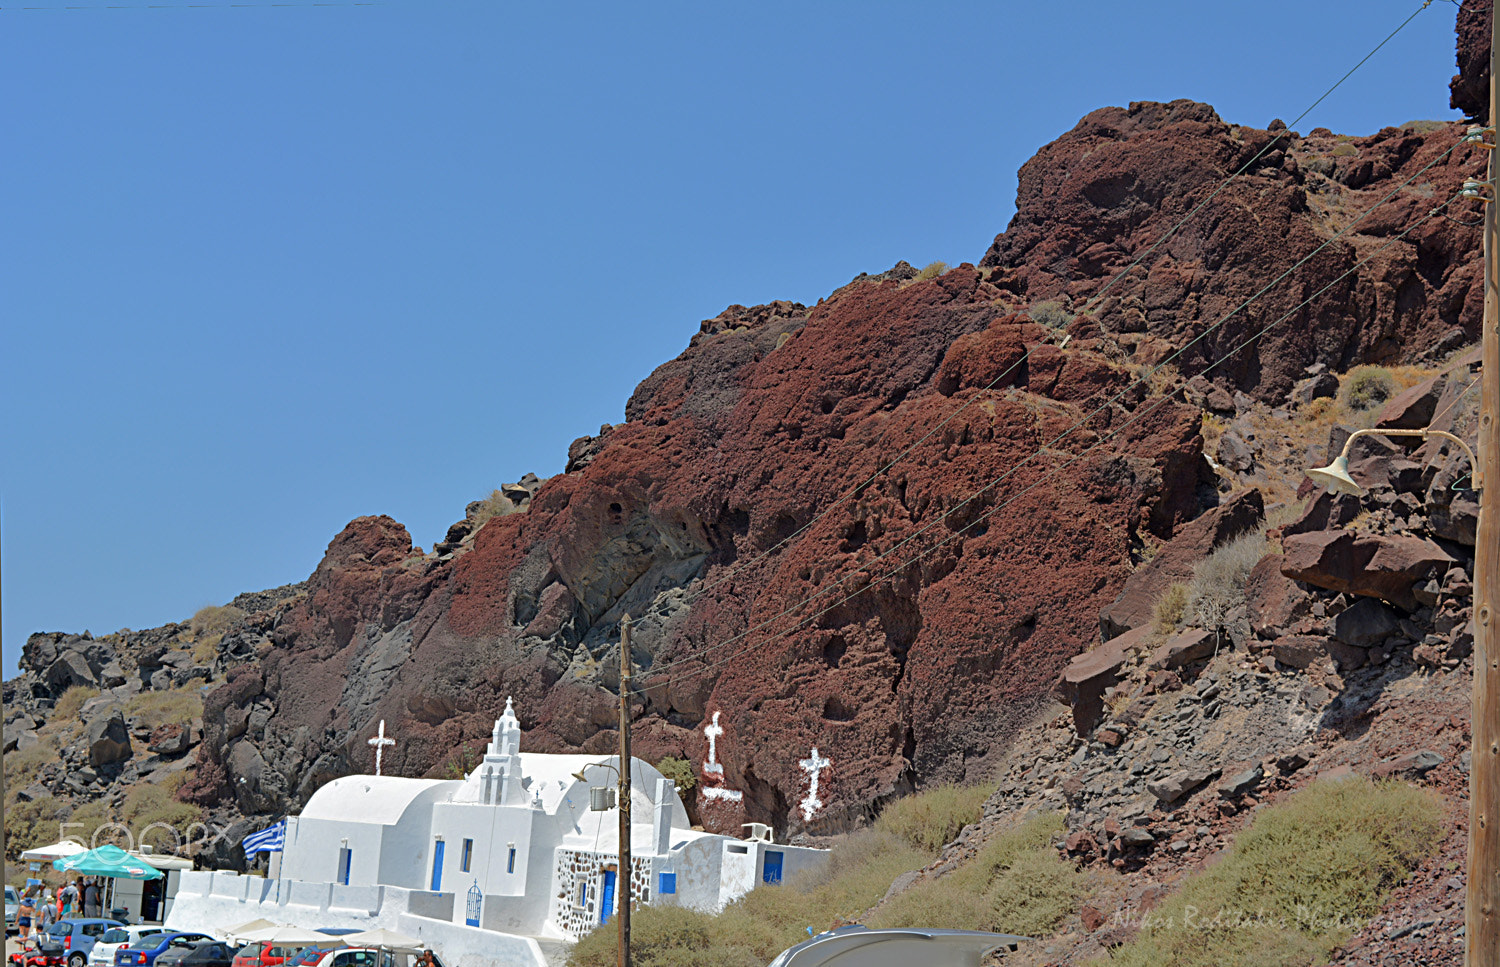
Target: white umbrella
[(259, 923), (57, 851), (381, 937), (285, 936)]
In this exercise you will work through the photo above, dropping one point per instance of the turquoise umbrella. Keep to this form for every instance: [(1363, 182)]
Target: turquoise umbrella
[(108, 860)]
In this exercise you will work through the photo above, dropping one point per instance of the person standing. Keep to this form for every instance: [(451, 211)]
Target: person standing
[(25, 914), (91, 899), (67, 900), (48, 911)]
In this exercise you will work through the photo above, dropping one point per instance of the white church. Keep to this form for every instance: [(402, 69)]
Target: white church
[(502, 867)]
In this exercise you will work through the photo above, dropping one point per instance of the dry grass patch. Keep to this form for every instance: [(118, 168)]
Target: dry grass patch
[(70, 702), (176, 705), (1016, 884), (1170, 609), (934, 817), (1218, 583), (1298, 883), (932, 270), (768, 919)]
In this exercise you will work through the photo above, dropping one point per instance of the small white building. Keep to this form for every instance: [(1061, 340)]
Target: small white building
[(512, 849)]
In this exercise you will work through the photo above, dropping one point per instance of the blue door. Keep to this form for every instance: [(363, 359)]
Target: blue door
[(607, 902), (771, 872), (437, 866)]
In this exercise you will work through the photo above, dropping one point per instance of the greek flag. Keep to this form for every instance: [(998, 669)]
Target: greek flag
[(269, 840)]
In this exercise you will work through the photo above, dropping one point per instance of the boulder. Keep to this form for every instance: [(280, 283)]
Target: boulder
[(1083, 682), (1365, 623), (107, 738), (1299, 651), (1323, 385), (1235, 452), (1243, 784), (1411, 409), (1275, 602), (1324, 512), (1184, 648), (1171, 788), (172, 739), (1370, 565), (1413, 765), (1174, 562)]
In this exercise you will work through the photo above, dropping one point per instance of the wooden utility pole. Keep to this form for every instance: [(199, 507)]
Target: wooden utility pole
[(1482, 919), (622, 878)]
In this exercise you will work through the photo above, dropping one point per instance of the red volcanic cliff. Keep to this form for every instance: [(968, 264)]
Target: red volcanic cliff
[(906, 631)]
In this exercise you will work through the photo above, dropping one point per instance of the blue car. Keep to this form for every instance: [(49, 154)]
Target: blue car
[(143, 953), (74, 937)]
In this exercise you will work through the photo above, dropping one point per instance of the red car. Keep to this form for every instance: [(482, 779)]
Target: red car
[(262, 955)]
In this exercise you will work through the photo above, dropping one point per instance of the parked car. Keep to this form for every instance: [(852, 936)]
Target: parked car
[(143, 952), (307, 956), (932, 947), (74, 938), (355, 957), (201, 953), (262, 954), (114, 938), (12, 902)]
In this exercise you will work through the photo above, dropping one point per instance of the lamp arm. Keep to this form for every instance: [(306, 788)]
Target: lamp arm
[(1424, 434)]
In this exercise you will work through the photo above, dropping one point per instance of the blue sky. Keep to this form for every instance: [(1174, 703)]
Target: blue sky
[(267, 268)]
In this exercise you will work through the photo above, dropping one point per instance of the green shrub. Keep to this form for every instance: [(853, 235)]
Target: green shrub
[(932, 270), (23, 765), (665, 937), (1345, 150), (71, 701), (32, 823), (1366, 387), (1050, 314), (149, 803), (680, 771), (766, 920), (215, 619), (176, 705), (1170, 609), (1016, 884), (1219, 580), (933, 817), (1298, 883)]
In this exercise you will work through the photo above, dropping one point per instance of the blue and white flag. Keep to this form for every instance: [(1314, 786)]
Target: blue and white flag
[(269, 840)]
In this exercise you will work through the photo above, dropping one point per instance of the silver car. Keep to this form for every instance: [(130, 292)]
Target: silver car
[(12, 903), (930, 947)]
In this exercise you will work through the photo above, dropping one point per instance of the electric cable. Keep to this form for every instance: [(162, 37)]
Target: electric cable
[(1093, 301), (697, 656), (697, 672)]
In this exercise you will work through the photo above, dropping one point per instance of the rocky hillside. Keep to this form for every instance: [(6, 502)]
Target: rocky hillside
[(883, 525)]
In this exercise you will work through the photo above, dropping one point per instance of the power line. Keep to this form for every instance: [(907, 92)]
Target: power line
[(958, 532), (1085, 419), (734, 569)]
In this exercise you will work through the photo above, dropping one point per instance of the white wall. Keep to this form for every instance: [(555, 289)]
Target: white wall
[(213, 902)]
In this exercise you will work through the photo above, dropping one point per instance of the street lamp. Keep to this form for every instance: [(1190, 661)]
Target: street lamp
[(1336, 477), (601, 798)]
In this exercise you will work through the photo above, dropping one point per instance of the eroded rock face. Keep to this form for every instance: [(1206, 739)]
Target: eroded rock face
[(906, 632), (1090, 202)]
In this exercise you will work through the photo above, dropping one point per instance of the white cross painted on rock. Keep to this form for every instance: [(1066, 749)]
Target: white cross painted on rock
[(713, 732), (813, 765), (380, 742)]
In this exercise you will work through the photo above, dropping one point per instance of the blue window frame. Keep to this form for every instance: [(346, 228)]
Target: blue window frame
[(467, 857), (346, 860), (666, 883), (510, 862), (437, 866)]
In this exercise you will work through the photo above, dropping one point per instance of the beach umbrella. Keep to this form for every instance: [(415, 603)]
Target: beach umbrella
[(56, 851), (381, 937), (259, 923), (108, 860), (285, 936)]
